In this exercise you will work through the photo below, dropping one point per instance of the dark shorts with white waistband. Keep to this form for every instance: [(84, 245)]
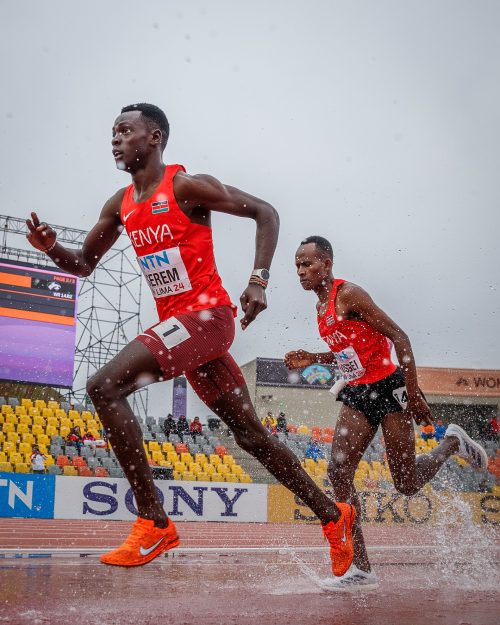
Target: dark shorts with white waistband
[(377, 399)]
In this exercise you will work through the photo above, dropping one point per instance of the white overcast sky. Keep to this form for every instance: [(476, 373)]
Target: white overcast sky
[(373, 123)]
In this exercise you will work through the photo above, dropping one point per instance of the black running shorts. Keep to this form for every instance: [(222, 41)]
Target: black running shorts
[(377, 399)]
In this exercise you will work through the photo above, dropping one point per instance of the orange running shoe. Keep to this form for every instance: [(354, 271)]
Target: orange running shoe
[(339, 535), (144, 543)]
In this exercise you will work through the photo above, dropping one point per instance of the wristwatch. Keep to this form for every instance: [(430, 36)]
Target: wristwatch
[(260, 277)]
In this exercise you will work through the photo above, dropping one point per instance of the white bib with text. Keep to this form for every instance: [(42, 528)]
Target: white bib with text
[(165, 272), (349, 364)]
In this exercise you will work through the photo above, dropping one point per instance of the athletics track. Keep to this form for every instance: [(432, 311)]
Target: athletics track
[(242, 574)]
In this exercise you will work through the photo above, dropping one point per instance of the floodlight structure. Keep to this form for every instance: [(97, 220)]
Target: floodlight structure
[(108, 302)]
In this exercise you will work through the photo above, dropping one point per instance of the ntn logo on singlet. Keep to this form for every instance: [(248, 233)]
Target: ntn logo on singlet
[(154, 261)]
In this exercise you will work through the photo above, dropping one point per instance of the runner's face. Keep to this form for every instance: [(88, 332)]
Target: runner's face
[(131, 141), (313, 267)]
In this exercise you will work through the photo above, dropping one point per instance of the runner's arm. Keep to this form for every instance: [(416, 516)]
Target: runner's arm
[(354, 302), (208, 192), (300, 358), (79, 262)]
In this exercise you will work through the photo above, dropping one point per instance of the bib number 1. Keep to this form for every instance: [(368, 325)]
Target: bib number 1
[(171, 332)]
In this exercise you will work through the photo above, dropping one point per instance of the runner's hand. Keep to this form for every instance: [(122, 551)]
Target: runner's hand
[(418, 409), (253, 301), (299, 359), (40, 235)]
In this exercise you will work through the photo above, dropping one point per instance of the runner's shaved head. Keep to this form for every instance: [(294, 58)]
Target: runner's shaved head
[(321, 243)]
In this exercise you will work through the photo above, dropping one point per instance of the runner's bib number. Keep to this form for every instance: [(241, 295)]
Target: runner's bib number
[(165, 272), (349, 364)]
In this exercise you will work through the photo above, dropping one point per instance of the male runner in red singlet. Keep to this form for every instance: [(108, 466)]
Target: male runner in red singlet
[(374, 391), (166, 214)]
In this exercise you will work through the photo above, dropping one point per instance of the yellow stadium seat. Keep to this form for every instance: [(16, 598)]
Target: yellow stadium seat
[(15, 458), (165, 463), (38, 420), (203, 477), (173, 457), (22, 467), (210, 469), (6, 409), (93, 425), (166, 447), (60, 414), (43, 439), (245, 478), (194, 467), (73, 414), (3, 456), (64, 431), (79, 423), (9, 447), (186, 458), (54, 421), (2, 437), (25, 420), (5, 467), (180, 467), (222, 469), (303, 429), (23, 428), (20, 411), (309, 463), (200, 458), (51, 431), (157, 456), (53, 404), (33, 412), (69, 470), (231, 477), (2, 418), (177, 475), (27, 403), (24, 448), (236, 469), (86, 415), (10, 418), (13, 437), (47, 413), (8, 427), (228, 459), (40, 404), (188, 477), (154, 446), (37, 430), (214, 459)]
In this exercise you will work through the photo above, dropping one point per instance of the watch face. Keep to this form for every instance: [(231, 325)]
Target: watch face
[(264, 274)]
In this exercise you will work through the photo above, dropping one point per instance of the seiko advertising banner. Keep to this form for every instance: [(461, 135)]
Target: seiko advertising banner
[(96, 498), (272, 372)]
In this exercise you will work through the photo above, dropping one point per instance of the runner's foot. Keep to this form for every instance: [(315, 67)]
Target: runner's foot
[(469, 450), (354, 580), (339, 535), (144, 543)]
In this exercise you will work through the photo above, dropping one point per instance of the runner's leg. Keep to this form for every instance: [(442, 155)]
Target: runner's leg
[(409, 471), (129, 370), (353, 434), (220, 384)]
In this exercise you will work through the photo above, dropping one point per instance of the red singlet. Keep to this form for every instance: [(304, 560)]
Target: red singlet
[(363, 355), (175, 255)]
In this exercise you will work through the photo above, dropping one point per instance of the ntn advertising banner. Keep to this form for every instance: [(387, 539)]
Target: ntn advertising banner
[(27, 495), (112, 499)]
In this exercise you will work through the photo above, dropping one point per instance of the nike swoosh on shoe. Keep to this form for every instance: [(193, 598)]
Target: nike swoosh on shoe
[(146, 552)]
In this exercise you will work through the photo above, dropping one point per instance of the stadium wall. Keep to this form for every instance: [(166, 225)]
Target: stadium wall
[(61, 497)]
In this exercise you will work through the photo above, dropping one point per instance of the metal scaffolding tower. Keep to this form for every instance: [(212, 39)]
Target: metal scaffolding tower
[(108, 302)]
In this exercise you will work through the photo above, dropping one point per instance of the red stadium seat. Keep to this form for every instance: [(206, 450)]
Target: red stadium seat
[(78, 461), (101, 472), (84, 471), (181, 448), (220, 450), (63, 461)]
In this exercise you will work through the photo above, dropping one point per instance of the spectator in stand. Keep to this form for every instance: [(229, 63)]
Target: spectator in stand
[(196, 428), (314, 451), (37, 460), (169, 426), (270, 427), (281, 424), (74, 438), (427, 431), (493, 429), (440, 430), (182, 427), (88, 436)]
